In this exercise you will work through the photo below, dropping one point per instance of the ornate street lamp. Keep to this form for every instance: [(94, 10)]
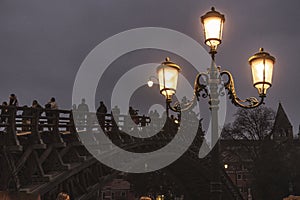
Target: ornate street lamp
[(213, 22), (207, 83), (262, 64), (168, 75)]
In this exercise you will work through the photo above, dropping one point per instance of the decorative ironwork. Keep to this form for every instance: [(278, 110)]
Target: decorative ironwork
[(201, 90), (248, 103)]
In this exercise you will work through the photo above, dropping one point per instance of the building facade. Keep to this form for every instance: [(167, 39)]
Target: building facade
[(238, 160)]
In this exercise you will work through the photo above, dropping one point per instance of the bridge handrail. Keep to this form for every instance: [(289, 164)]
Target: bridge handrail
[(20, 121)]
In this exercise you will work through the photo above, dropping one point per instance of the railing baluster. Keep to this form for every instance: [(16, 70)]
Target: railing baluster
[(35, 127), (11, 129)]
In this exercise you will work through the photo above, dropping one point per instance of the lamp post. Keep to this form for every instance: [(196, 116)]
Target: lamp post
[(261, 65)]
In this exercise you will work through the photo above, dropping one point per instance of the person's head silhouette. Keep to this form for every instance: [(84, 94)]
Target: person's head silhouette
[(63, 196)]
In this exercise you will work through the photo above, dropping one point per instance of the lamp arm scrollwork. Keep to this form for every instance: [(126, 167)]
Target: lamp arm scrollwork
[(201, 87), (200, 90), (250, 102), (179, 107), (185, 106)]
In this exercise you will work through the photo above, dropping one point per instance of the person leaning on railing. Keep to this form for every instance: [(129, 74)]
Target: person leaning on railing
[(13, 101), (101, 112)]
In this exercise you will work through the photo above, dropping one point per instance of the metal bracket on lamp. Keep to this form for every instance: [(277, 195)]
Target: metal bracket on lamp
[(250, 102)]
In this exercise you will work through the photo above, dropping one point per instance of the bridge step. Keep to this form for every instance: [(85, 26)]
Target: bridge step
[(18, 196), (90, 192), (46, 177), (15, 148), (37, 181), (29, 189)]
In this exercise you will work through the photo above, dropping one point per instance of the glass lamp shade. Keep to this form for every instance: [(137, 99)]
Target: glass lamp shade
[(213, 22), (262, 64), (168, 75)]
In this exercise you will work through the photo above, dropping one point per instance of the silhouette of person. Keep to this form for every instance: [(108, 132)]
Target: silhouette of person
[(63, 196), (115, 116), (38, 108), (49, 115), (13, 101), (101, 112), (74, 107), (35, 104), (82, 109), (26, 118), (134, 115), (53, 103), (154, 116), (131, 111), (52, 116), (4, 111), (116, 111), (75, 113)]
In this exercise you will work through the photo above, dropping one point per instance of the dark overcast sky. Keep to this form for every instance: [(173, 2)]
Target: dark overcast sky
[(43, 43)]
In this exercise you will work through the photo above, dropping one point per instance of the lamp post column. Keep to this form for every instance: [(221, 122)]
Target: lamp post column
[(167, 107), (214, 82), (213, 22)]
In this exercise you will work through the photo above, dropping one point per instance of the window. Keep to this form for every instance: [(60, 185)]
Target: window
[(239, 177), (242, 189), (243, 167)]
